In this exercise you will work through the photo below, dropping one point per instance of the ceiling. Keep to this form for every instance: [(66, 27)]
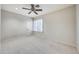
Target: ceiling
[(47, 8)]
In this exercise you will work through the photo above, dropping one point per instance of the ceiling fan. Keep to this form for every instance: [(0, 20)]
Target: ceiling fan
[(33, 9)]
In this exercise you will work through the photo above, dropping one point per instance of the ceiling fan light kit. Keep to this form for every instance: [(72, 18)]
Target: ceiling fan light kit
[(34, 8)]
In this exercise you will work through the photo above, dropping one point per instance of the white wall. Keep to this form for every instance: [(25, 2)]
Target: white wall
[(0, 27), (15, 25), (77, 25), (60, 26)]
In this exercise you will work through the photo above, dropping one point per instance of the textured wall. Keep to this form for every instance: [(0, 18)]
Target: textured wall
[(0, 28), (58, 35), (60, 26), (77, 21), (14, 25)]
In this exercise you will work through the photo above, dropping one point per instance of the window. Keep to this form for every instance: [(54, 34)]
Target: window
[(38, 25)]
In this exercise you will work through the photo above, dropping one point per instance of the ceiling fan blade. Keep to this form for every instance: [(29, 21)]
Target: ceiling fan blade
[(29, 12), (37, 6), (35, 12), (38, 10), (26, 8)]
